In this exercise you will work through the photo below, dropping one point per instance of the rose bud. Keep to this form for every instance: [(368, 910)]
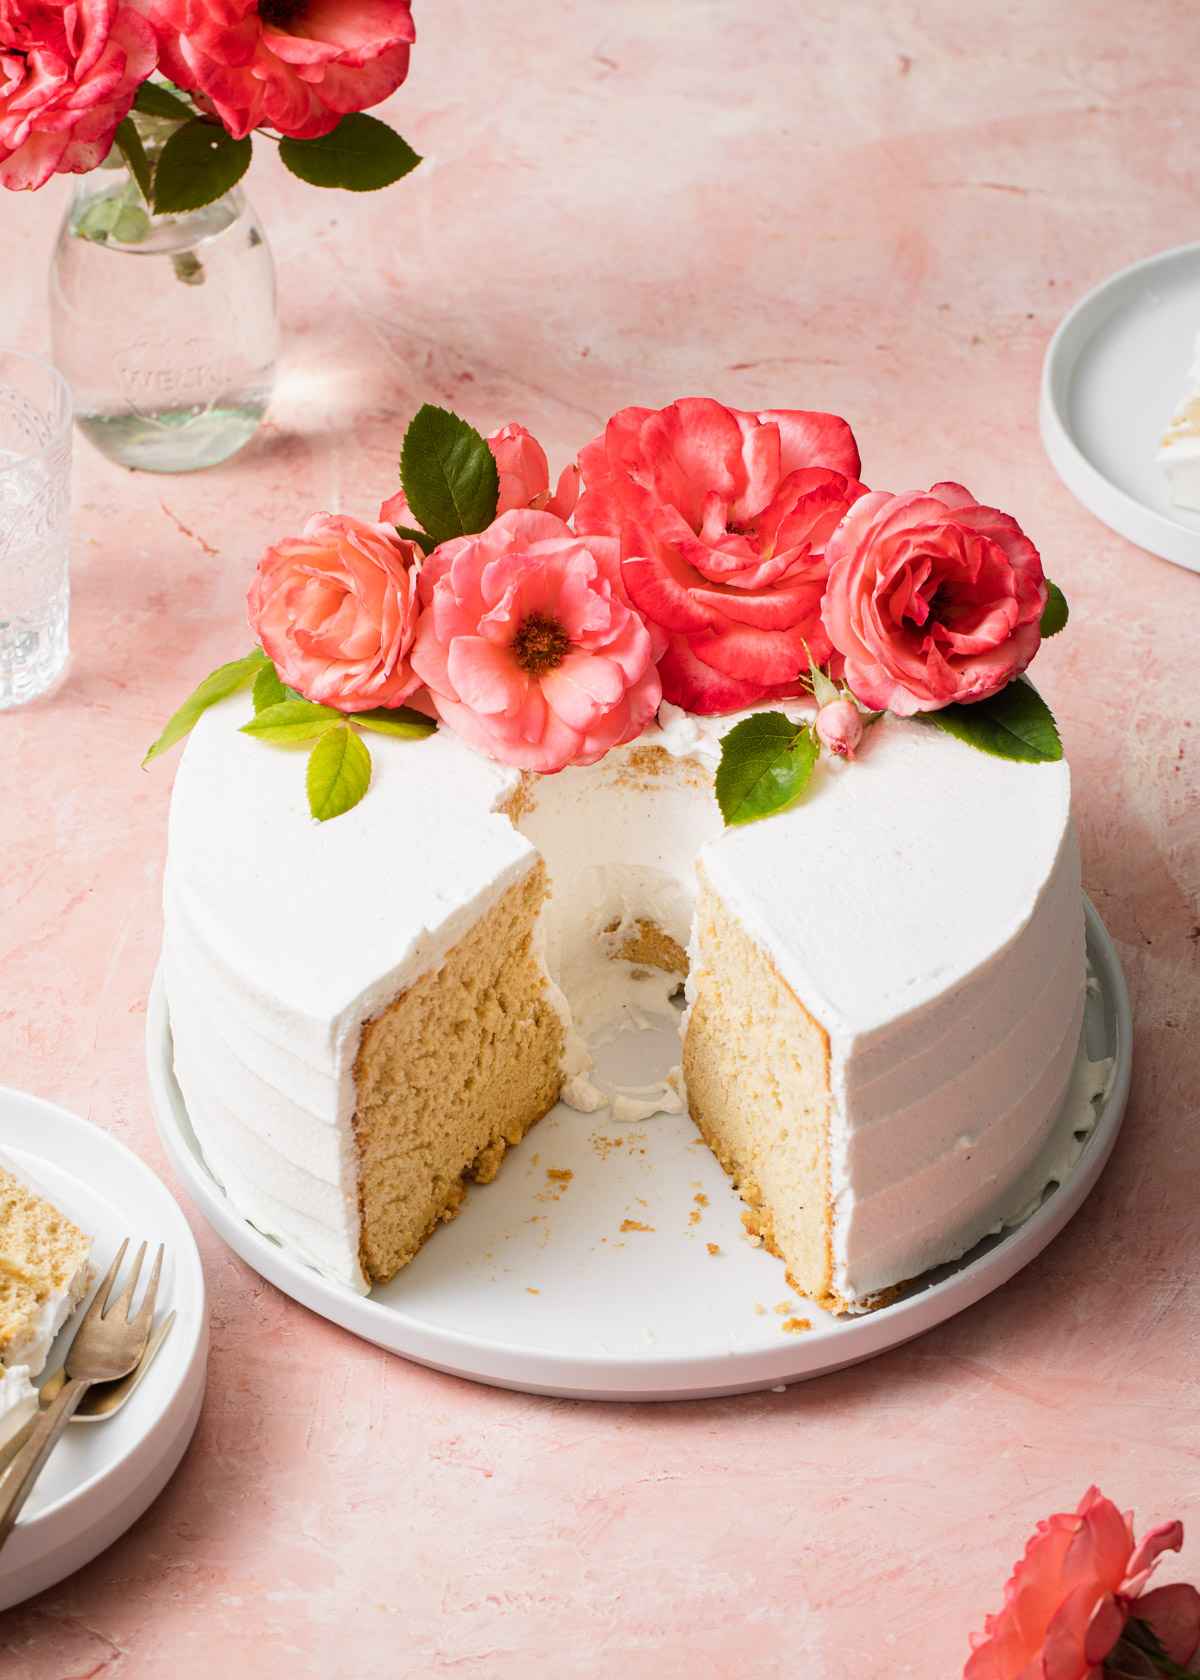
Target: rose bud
[(839, 726)]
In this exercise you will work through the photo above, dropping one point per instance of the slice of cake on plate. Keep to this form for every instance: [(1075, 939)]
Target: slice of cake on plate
[(45, 1271), (1179, 451)]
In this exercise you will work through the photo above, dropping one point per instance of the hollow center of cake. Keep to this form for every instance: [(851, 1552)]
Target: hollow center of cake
[(620, 847)]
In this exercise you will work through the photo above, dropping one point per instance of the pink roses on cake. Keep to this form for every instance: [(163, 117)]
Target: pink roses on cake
[(1073, 1593), (297, 65), (524, 475), (723, 517), (68, 75), (931, 598), (529, 646), (336, 609)]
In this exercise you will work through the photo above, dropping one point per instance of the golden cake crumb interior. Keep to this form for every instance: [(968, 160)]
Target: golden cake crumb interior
[(42, 1254)]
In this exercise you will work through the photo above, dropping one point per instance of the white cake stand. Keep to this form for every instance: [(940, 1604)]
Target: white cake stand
[(1113, 373), (102, 1476), (600, 1285)]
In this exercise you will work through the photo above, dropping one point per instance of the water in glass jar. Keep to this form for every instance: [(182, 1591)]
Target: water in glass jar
[(165, 326)]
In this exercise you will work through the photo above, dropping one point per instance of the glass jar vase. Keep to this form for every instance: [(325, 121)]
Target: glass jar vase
[(165, 326)]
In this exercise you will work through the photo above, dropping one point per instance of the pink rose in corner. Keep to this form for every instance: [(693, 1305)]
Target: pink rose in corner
[(336, 610), (529, 646), (68, 74), (296, 65), (524, 474), (723, 518), (1077, 1592), (931, 599)]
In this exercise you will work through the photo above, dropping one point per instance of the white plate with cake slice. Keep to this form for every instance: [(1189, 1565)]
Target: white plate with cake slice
[(608, 1261), (1114, 373), (102, 1476)]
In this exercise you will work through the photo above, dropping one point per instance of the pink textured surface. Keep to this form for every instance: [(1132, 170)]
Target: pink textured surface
[(880, 208)]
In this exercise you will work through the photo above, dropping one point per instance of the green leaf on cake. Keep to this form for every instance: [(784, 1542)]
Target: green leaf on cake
[(215, 686), (268, 690), (1015, 723), (339, 773), (765, 764), (422, 538), (291, 720), (449, 474), (129, 144), (397, 720), (1055, 613), (157, 100), (361, 154), (198, 164)]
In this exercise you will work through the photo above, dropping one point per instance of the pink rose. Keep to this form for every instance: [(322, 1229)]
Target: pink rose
[(335, 610), (839, 726), (1069, 1599), (723, 518), (524, 475), (931, 598), (68, 74), (530, 648), (294, 65)]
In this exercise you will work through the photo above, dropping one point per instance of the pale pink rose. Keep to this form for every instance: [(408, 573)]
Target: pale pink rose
[(336, 609), (839, 726), (1071, 1595), (524, 475), (68, 72), (294, 65), (723, 517), (931, 599), (529, 646)]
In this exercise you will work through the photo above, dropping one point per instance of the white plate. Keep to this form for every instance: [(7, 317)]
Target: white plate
[(102, 1476), (536, 1286), (1114, 372)]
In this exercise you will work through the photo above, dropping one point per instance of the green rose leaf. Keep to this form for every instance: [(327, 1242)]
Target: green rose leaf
[(129, 144), (159, 101), (1015, 723), (361, 154), (268, 690), (215, 687), (449, 474), (422, 539), (397, 720), (291, 720), (765, 765), (198, 164), (339, 773), (1055, 613)]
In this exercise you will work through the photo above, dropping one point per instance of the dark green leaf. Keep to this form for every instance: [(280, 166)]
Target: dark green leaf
[(1056, 612), (129, 143), (765, 765), (268, 690), (198, 164), (1015, 723), (397, 720), (422, 539), (214, 687), (157, 101), (449, 474), (339, 773), (291, 720), (361, 154)]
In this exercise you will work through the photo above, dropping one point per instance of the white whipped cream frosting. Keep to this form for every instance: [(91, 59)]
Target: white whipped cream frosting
[(923, 904), (1178, 455)]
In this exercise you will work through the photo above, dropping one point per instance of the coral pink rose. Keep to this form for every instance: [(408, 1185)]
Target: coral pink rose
[(294, 65), (931, 598), (1071, 1596), (530, 648), (336, 609), (68, 74), (524, 474), (723, 518)]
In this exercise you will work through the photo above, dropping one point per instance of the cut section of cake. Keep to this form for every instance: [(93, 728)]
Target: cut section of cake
[(45, 1271), (1179, 452)]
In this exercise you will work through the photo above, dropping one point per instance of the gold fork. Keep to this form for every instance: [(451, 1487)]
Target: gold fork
[(107, 1345)]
